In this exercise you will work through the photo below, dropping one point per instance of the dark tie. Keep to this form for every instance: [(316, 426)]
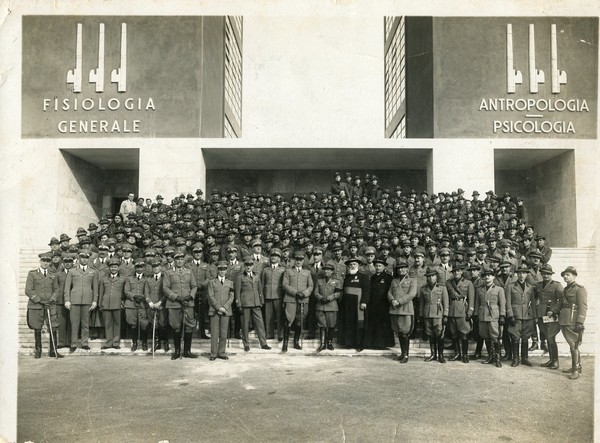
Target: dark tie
[(44, 273), (156, 277), (139, 277), (222, 282)]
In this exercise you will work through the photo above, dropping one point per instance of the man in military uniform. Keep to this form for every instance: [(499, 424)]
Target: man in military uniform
[(220, 293), (327, 292), (179, 285), (111, 293), (81, 298), (491, 310), (461, 295), (271, 283), (135, 307), (573, 310), (400, 295), (297, 286), (156, 299), (549, 293), (200, 271), (64, 322), (434, 312), (520, 309), (41, 288)]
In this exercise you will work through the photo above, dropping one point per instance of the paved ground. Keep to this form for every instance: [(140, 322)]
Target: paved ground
[(256, 398)]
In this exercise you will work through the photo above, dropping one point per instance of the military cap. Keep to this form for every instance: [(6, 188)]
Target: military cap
[(475, 193), (318, 250), (69, 258), (169, 250), (45, 256), (84, 254), (430, 243), (64, 237), (536, 254), (114, 262), (522, 268), (81, 231), (401, 263), (487, 271), (178, 254), (482, 248), (419, 254), (285, 248), (198, 247), (127, 248), (139, 263), (370, 250), (504, 243), (547, 269), (352, 260), (458, 266), (214, 250), (505, 264), (85, 240), (232, 248), (275, 251), (222, 264), (430, 272), (149, 252), (155, 262), (53, 241), (444, 251), (381, 260), (298, 255), (103, 221), (329, 266), (180, 241), (256, 243), (569, 270)]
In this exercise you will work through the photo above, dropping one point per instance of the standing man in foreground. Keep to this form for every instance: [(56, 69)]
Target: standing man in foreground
[(220, 299), (573, 309), (297, 286), (491, 309), (550, 294)]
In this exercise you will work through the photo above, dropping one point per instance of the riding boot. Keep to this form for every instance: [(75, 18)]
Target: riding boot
[(457, 351), (551, 356), (144, 338), (576, 365), (51, 351), (554, 348), (478, 347), (543, 346), (406, 348), (524, 353), (187, 346), (490, 352), (322, 338), (440, 349), (37, 334), (176, 345), (297, 337), (515, 354), (402, 348), (465, 350), (286, 338), (433, 349), (330, 339), (497, 347), (507, 343), (134, 344)]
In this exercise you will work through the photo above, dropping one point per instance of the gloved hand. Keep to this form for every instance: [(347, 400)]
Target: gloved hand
[(444, 319), (511, 321), (468, 317), (395, 303), (222, 310), (189, 298), (501, 321), (579, 327), (299, 295), (68, 305), (181, 298)]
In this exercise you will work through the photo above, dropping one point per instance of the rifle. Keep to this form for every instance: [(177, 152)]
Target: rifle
[(51, 333)]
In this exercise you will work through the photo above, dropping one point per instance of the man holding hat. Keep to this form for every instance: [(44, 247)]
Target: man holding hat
[(135, 306), (403, 290), (573, 310), (41, 288), (249, 301), (297, 286), (520, 309), (356, 292), (490, 306), (179, 285), (81, 298), (461, 295), (111, 293), (327, 292), (220, 293), (547, 309), (271, 283), (434, 312)]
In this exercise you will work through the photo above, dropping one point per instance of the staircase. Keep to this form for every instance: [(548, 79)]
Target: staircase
[(583, 259)]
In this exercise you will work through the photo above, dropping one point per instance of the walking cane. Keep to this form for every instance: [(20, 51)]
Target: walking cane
[(51, 334), (181, 339), (137, 310), (154, 333), (301, 324)]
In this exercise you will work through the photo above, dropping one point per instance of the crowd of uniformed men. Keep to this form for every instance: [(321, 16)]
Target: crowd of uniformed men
[(360, 263)]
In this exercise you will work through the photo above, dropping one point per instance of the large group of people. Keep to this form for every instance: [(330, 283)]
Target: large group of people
[(360, 265)]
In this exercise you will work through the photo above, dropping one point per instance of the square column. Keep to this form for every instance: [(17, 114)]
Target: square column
[(169, 171)]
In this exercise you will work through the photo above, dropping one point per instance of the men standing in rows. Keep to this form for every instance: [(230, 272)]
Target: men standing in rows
[(81, 298), (135, 307), (64, 322), (379, 334), (249, 301), (327, 292), (220, 294), (297, 286), (111, 292), (271, 283), (520, 310), (491, 308), (355, 298), (461, 295), (41, 288), (179, 285), (403, 290), (434, 311), (573, 310), (155, 298), (548, 307)]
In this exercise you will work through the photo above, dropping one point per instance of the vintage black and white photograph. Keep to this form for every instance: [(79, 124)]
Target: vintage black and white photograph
[(297, 221)]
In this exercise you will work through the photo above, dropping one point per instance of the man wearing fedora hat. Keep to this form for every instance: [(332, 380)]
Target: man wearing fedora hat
[(573, 310), (549, 296), (433, 299), (520, 310)]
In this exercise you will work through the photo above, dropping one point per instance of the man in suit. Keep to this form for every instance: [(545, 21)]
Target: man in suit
[(220, 293), (297, 286), (111, 293), (41, 288), (155, 298), (271, 281), (81, 298), (135, 307)]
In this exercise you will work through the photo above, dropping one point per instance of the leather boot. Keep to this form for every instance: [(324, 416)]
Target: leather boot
[(543, 346), (524, 353), (297, 338), (166, 346), (457, 351), (177, 345), (322, 338), (433, 349), (497, 347), (515, 353), (440, 349), (551, 356), (37, 334), (51, 351), (286, 338), (554, 348), (402, 350), (465, 350), (144, 341), (534, 344), (490, 351), (576, 367), (187, 346), (406, 349), (134, 344), (508, 350), (478, 347), (330, 339)]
